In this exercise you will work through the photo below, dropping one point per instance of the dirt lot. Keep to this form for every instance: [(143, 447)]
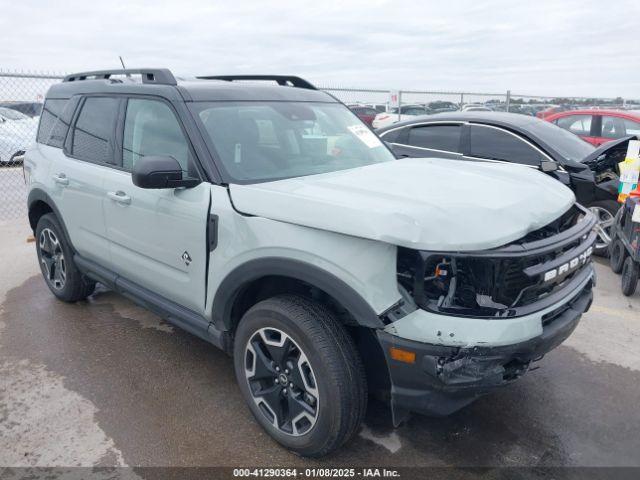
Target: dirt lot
[(104, 382)]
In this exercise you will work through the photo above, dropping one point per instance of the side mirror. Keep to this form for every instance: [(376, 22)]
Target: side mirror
[(548, 166), (160, 172)]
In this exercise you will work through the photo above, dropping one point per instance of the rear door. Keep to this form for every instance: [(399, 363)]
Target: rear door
[(79, 171), (157, 238)]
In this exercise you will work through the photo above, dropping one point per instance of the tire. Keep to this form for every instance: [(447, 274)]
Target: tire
[(630, 272), (605, 211), (617, 255), (323, 364), (56, 262)]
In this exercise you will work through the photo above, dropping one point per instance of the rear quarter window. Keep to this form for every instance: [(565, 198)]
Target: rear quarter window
[(49, 119), (392, 135)]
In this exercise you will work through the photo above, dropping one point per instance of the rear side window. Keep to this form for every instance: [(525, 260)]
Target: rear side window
[(93, 132), (497, 144), (62, 124), (437, 137), (50, 116), (578, 124)]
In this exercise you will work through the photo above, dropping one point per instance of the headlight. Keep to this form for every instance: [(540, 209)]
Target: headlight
[(479, 287)]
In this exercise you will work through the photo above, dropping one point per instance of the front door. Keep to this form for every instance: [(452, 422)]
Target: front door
[(158, 238)]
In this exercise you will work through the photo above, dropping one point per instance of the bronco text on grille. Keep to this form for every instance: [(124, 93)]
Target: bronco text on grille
[(516, 279)]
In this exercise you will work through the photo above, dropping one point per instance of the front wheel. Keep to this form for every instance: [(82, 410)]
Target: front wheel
[(300, 374)]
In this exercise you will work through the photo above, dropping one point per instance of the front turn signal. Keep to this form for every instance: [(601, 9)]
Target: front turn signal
[(402, 355)]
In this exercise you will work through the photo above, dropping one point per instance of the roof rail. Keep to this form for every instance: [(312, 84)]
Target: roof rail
[(159, 76), (284, 80)]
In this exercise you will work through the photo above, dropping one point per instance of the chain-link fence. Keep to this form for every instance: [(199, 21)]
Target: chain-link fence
[(22, 96), (21, 101)]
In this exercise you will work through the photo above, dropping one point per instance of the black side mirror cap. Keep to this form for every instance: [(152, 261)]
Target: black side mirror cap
[(160, 172)]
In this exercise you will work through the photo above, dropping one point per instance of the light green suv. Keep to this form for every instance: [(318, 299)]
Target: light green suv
[(270, 221)]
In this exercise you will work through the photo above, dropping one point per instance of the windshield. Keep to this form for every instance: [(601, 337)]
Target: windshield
[(10, 114), (567, 144), (262, 141)]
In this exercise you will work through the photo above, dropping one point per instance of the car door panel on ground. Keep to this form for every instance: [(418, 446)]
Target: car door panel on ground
[(79, 172), (158, 237)]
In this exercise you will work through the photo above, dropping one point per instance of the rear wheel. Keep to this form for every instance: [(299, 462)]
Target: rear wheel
[(630, 272), (56, 262), (300, 374), (605, 212), (617, 255)]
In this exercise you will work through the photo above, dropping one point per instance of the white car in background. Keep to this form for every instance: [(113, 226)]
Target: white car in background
[(474, 107), (406, 111), (17, 132)]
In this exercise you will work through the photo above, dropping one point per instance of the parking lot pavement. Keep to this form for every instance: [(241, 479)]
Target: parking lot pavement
[(13, 193), (104, 382)]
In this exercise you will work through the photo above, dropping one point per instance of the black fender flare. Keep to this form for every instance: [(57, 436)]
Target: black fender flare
[(252, 270), (37, 194)]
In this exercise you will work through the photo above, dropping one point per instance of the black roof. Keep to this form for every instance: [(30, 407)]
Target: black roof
[(162, 83), (504, 119)]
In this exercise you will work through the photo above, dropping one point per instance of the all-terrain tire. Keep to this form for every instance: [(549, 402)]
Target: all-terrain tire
[(55, 257), (617, 255), (333, 360), (630, 273)]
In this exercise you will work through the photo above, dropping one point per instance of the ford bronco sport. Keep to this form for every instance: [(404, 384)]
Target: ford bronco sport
[(271, 222)]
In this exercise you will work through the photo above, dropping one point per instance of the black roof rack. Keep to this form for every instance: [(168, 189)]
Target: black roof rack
[(283, 80), (160, 76)]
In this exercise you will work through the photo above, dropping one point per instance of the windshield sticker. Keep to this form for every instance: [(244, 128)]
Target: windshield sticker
[(365, 135)]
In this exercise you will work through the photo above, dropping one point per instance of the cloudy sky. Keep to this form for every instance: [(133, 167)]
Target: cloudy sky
[(568, 47)]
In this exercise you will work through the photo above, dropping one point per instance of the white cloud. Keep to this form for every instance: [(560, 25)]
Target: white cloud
[(546, 47)]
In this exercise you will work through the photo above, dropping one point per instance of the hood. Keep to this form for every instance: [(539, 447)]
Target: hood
[(426, 204), (607, 147)]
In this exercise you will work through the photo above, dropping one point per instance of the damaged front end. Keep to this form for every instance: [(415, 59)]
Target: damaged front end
[(540, 284), (603, 162)]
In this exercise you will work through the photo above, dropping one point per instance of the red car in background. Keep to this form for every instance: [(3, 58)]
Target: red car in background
[(598, 126), (548, 111), (364, 113)]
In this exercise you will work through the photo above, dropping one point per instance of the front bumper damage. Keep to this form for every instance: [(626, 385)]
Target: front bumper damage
[(444, 378)]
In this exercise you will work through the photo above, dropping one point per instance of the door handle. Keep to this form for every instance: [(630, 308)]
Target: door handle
[(61, 179), (119, 197)]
